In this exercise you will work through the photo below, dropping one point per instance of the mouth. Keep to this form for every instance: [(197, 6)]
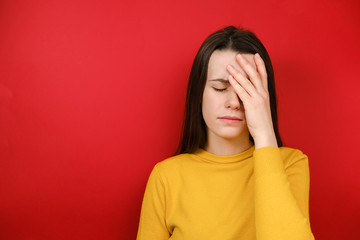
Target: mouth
[(230, 119)]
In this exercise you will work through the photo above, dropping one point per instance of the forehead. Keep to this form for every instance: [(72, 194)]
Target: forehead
[(219, 59)]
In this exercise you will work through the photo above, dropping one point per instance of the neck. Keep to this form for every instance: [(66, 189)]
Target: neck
[(227, 146)]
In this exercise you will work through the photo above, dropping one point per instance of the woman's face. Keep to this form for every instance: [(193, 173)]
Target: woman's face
[(220, 99)]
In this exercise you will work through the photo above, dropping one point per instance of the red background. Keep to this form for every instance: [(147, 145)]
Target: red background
[(92, 95)]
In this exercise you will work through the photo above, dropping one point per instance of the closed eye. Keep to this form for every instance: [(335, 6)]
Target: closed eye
[(219, 90)]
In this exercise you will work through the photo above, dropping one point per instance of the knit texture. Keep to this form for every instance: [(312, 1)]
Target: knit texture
[(258, 194)]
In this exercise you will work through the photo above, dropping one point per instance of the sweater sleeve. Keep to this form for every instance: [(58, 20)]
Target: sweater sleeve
[(281, 196), (152, 217)]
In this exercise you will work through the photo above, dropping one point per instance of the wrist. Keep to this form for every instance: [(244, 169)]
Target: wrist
[(266, 140)]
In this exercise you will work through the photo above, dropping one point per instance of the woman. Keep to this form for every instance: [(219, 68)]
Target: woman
[(230, 178)]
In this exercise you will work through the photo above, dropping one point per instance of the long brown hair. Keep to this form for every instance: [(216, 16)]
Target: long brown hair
[(239, 40)]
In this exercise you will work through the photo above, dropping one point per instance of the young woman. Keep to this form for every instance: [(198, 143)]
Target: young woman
[(230, 178)]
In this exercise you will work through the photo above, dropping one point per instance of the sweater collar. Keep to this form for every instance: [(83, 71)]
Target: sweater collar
[(210, 157)]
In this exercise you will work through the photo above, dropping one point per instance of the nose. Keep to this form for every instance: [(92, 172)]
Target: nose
[(233, 101)]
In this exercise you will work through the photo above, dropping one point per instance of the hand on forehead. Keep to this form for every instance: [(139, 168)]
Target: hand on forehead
[(221, 58)]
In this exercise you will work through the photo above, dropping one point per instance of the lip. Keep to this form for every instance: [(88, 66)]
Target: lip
[(230, 119)]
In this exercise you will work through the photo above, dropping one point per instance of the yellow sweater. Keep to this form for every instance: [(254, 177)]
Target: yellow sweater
[(258, 194)]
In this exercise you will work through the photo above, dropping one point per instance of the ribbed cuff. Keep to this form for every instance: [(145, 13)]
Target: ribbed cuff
[(267, 161)]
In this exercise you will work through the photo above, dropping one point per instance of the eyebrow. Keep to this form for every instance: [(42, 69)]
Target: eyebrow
[(220, 80)]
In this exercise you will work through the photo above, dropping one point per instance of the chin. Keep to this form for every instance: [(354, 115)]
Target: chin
[(230, 135)]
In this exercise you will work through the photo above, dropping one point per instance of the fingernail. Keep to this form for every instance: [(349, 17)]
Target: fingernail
[(239, 56), (229, 67)]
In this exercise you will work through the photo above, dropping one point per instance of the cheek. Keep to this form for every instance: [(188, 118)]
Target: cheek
[(210, 103)]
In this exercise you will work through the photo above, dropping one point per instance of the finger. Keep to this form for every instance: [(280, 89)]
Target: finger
[(241, 92), (242, 80), (262, 70), (251, 72)]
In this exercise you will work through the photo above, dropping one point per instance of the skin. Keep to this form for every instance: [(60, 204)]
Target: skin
[(244, 95)]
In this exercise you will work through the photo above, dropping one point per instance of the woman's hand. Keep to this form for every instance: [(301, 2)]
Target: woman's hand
[(254, 94)]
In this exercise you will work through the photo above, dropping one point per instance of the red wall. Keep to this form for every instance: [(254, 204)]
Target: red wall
[(92, 95)]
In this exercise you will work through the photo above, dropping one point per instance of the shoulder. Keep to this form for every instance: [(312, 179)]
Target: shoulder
[(173, 164), (292, 155)]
